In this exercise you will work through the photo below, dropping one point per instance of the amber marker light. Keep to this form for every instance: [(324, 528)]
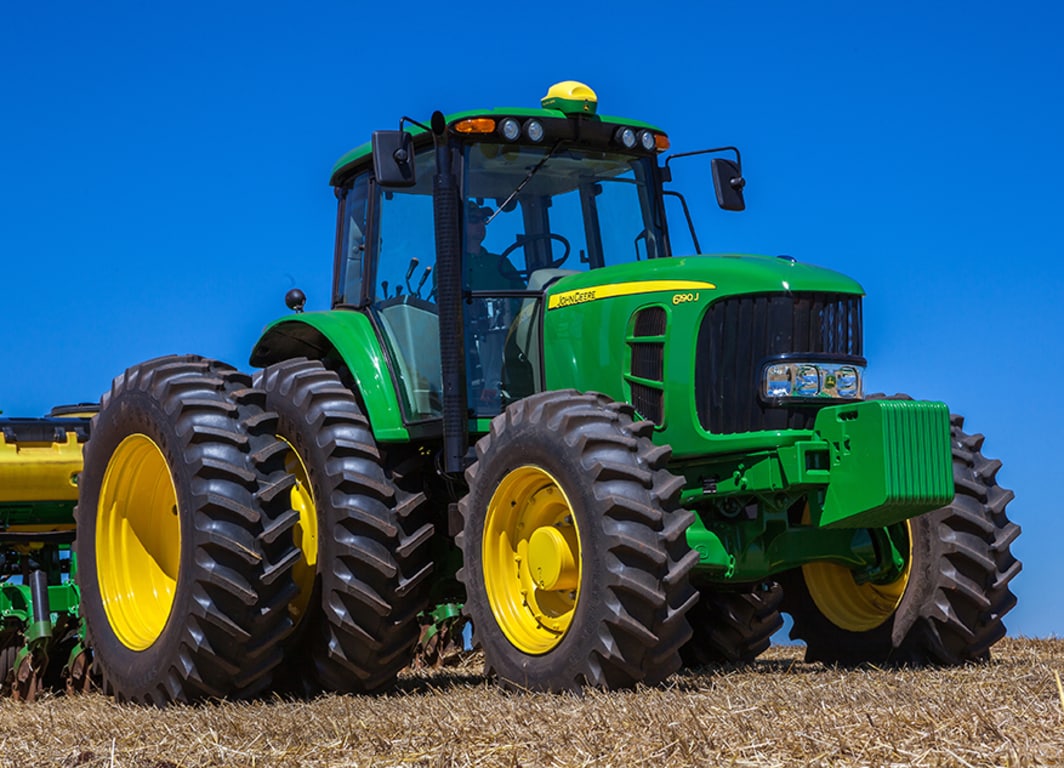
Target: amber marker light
[(661, 141), (475, 125)]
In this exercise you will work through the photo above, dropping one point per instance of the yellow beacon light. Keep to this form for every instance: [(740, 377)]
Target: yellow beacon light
[(570, 97)]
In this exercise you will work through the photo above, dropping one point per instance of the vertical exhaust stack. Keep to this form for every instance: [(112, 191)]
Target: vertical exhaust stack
[(448, 260)]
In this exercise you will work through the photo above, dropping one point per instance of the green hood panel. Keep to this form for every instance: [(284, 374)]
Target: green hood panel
[(589, 333), (728, 273)]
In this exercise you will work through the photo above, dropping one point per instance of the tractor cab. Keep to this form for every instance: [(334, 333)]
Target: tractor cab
[(514, 200)]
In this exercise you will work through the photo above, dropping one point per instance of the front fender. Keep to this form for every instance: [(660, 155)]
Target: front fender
[(348, 335)]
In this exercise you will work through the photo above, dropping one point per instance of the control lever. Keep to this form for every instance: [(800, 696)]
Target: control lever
[(424, 277), (409, 274)]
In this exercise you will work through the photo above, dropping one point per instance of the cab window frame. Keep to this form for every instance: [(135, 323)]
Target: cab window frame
[(341, 263)]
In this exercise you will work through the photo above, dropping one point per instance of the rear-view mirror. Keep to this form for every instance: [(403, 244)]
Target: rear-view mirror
[(393, 159), (728, 181)]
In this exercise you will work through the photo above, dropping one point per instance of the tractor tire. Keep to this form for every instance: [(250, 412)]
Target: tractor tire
[(732, 627), (950, 602), (184, 539), (364, 539), (575, 560), (8, 655)]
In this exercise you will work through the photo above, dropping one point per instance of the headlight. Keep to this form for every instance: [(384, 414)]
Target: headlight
[(510, 129), (811, 379), (646, 138), (534, 130), (625, 136)]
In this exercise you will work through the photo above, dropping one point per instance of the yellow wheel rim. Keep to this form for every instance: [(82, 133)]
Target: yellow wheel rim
[(305, 533), (138, 542), (531, 556), (852, 606)]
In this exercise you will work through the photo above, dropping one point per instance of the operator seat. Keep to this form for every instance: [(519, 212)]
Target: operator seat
[(522, 372)]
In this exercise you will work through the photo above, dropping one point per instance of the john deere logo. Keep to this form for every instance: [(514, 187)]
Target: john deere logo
[(693, 291), (575, 297)]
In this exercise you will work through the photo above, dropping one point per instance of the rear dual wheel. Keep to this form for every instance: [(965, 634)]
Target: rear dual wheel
[(575, 560), (184, 540), (947, 605), (363, 535)]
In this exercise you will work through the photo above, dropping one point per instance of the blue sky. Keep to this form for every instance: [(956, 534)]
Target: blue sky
[(164, 178)]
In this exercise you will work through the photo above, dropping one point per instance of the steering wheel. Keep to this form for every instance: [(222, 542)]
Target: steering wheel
[(508, 270)]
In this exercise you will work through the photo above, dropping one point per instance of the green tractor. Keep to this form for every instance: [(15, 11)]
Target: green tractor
[(40, 627), (617, 460)]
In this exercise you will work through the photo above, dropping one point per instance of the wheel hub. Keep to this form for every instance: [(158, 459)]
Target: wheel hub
[(138, 542), (305, 533), (531, 556), (852, 606), (551, 560)]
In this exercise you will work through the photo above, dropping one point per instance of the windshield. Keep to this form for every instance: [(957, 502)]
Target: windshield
[(529, 215), (535, 208), (532, 215)]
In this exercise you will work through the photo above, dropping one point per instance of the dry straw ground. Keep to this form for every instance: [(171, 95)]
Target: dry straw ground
[(780, 712)]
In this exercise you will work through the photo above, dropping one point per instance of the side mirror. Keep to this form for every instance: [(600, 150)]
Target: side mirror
[(729, 182), (393, 159)]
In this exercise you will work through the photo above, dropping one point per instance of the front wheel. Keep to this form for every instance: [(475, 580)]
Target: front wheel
[(576, 563), (947, 605), (733, 627)]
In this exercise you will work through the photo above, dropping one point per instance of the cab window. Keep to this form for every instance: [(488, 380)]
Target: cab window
[(533, 215), (403, 293), (352, 244)]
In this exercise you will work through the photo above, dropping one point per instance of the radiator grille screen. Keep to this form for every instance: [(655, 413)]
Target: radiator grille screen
[(740, 332), (648, 362), (648, 401)]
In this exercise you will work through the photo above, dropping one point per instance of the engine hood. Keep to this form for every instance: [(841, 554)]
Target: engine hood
[(721, 275)]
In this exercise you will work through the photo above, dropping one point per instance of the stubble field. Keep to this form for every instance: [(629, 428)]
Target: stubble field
[(779, 712)]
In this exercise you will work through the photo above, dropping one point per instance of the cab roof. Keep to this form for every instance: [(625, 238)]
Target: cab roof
[(361, 154)]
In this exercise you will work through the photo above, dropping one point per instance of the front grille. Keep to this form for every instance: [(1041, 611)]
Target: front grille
[(650, 402), (650, 322), (738, 334), (648, 363)]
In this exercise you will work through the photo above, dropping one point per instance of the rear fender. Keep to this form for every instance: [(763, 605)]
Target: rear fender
[(350, 337)]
